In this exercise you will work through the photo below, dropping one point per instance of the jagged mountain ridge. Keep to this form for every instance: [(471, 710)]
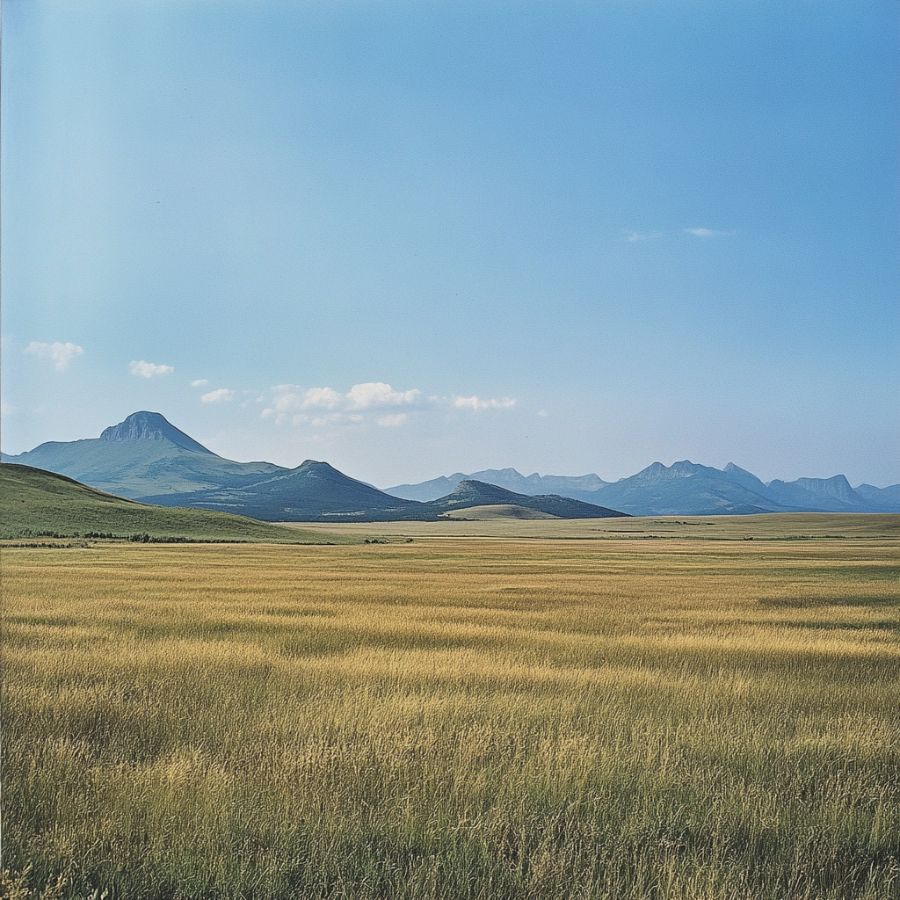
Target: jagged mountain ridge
[(688, 488), (508, 478)]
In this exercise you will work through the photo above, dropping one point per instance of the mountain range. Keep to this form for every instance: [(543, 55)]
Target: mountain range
[(684, 488), (147, 458)]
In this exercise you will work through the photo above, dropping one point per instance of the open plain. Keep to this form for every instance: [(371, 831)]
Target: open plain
[(617, 709)]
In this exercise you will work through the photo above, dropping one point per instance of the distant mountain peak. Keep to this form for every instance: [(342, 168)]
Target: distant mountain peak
[(151, 426), (470, 489), (683, 468), (316, 465), (836, 486), (744, 477), (837, 480), (473, 484)]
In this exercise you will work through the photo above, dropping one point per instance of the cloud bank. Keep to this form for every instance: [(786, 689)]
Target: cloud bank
[(374, 401)]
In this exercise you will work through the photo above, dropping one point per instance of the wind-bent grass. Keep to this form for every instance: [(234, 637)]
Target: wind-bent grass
[(454, 718)]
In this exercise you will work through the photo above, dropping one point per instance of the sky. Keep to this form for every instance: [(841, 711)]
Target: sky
[(414, 238)]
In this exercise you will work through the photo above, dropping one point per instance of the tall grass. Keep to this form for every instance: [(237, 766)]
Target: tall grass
[(453, 718)]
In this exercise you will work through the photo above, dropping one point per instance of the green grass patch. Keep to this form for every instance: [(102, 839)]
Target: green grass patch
[(35, 504)]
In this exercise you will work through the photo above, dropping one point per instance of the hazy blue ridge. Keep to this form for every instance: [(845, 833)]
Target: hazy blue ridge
[(687, 488), (512, 480)]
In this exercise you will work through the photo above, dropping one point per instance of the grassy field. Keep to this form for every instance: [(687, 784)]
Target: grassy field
[(528, 713), (485, 523)]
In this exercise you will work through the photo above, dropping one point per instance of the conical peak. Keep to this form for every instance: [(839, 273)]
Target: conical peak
[(150, 426)]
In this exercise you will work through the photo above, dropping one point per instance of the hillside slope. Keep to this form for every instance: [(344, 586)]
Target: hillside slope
[(35, 502)]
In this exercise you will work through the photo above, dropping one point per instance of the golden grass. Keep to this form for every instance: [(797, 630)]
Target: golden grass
[(454, 718)]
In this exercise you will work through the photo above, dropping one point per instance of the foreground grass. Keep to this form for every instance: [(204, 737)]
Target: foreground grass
[(454, 718)]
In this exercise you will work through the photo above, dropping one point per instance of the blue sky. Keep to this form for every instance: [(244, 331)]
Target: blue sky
[(414, 238)]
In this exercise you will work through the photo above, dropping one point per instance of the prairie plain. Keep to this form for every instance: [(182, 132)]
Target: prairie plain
[(617, 709)]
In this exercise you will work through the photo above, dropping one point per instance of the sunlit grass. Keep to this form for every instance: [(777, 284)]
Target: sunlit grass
[(454, 718)]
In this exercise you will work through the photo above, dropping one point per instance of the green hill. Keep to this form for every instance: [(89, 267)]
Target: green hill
[(35, 503), (471, 493)]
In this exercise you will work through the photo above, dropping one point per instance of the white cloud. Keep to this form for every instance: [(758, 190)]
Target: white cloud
[(370, 401), (58, 352), (291, 399), (144, 369), (320, 398), (220, 395), (479, 404), (701, 232), (290, 402), (377, 394), (394, 420), (199, 382)]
